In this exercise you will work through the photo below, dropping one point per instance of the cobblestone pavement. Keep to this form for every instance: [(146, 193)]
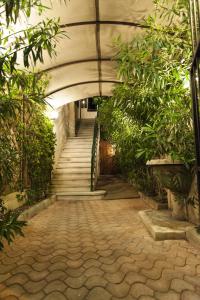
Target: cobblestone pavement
[(97, 250)]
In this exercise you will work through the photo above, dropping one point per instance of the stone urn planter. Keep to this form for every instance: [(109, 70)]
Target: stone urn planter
[(176, 179)]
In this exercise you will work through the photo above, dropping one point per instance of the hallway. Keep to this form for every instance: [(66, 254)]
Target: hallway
[(96, 250)]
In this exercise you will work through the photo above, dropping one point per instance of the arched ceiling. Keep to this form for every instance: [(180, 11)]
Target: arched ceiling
[(83, 66)]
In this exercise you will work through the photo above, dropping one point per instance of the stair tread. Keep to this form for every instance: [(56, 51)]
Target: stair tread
[(72, 175)]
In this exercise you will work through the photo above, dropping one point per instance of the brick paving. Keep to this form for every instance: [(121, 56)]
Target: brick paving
[(97, 250)]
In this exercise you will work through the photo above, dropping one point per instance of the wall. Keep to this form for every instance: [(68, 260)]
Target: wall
[(88, 114), (64, 126)]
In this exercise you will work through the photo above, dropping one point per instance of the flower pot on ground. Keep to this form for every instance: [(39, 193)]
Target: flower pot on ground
[(176, 178)]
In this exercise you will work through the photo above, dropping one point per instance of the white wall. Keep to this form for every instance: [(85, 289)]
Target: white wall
[(64, 126), (85, 114)]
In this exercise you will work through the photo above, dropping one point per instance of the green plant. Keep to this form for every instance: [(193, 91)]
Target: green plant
[(155, 68), (25, 132), (9, 225), (150, 114)]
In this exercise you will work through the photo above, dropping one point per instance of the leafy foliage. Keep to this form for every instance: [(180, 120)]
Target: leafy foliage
[(39, 149), (150, 114), (26, 136), (9, 225)]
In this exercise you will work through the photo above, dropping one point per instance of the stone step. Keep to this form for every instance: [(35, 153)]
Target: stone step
[(74, 176), (77, 171), (74, 145), (85, 131), (77, 196), (67, 165), (75, 159), (79, 155), (78, 143), (88, 139), (73, 150), (72, 183), (64, 189), (79, 140)]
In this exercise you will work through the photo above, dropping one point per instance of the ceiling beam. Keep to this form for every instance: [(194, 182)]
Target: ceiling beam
[(108, 59), (80, 83), (98, 22), (98, 43)]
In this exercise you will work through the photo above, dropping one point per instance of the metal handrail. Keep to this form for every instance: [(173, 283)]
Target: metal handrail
[(94, 160)]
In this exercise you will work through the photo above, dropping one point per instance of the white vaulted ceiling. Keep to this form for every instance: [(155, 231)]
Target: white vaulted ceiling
[(83, 66)]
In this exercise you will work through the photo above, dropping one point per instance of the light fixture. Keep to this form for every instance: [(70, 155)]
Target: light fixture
[(83, 103), (52, 115)]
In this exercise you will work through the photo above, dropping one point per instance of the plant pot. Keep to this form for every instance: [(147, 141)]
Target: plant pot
[(177, 206), (173, 176)]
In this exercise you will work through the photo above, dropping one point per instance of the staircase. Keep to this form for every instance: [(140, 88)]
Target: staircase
[(72, 176)]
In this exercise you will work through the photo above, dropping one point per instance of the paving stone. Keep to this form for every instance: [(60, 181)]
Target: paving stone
[(37, 296), (57, 266), (76, 282), (58, 259), (118, 290), (171, 295), (99, 293), (147, 298), (169, 274), (7, 268), (179, 285), (133, 277), (188, 295), (97, 250), (55, 296), (41, 266), (114, 277), (77, 294), (110, 268), (90, 255), (13, 290), (56, 285), (91, 263), (194, 280), (95, 281), (5, 276), (129, 268), (11, 298), (93, 271), (159, 285), (38, 276), (140, 289), (105, 253), (18, 278), (187, 270), (154, 273), (75, 263), (129, 297), (75, 272), (35, 286)]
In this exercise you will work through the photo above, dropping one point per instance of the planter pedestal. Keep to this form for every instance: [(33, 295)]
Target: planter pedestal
[(165, 170)]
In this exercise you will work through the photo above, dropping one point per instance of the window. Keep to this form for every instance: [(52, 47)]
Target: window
[(92, 105)]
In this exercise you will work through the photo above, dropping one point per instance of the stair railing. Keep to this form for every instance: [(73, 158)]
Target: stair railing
[(95, 155)]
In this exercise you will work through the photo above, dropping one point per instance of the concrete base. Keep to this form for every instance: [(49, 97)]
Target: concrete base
[(193, 237), (32, 211), (162, 226), (96, 195), (152, 203)]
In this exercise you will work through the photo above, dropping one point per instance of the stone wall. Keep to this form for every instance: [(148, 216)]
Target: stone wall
[(64, 127)]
